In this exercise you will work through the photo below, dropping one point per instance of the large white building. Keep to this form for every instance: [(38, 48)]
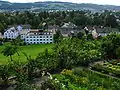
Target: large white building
[(37, 37), (29, 36)]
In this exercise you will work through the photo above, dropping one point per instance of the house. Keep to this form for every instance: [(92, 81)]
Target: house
[(94, 33), (104, 31), (67, 28), (19, 28), (11, 33), (14, 31), (38, 37), (100, 30)]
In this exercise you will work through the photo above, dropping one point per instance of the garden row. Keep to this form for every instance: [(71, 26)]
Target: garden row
[(110, 68), (82, 79)]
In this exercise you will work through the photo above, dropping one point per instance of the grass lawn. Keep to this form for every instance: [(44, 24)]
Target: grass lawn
[(32, 50)]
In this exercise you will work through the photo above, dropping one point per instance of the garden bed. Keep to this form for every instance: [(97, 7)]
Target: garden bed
[(111, 68)]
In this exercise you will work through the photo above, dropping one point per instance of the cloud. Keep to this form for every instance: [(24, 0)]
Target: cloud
[(111, 2)]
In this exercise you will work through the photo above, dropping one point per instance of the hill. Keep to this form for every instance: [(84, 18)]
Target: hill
[(49, 5)]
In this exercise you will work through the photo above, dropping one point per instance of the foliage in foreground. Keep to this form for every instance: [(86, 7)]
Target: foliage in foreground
[(73, 52), (83, 79), (68, 53)]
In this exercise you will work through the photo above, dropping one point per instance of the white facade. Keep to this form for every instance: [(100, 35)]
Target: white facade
[(11, 33), (19, 28), (29, 36), (38, 37)]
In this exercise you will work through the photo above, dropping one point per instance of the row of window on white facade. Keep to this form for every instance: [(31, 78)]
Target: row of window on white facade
[(38, 42), (38, 36), (38, 39)]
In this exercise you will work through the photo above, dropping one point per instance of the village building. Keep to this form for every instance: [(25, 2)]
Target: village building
[(30, 36), (11, 33), (14, 31), (38, 37), (67, 28), (100, 30)]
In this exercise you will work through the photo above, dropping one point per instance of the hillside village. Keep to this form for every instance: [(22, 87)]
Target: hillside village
[(45, 35), (61, 50)]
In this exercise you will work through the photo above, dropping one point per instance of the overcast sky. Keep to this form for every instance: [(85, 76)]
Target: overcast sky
[(110, 2)]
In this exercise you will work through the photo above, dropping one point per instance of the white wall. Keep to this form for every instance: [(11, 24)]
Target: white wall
[(39, 39), (10, 34)]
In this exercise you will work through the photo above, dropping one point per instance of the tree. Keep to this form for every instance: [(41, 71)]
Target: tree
[(17, 42), (110, 46), (58, 36), (80, 20), (2, 28), (110, 21), (9, 51)]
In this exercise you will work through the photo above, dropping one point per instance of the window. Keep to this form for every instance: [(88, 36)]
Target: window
[(40, 39), (50, 39), (37, 39), (50, 36), (34, 39), (47, 36), (40, 36), (47, 39)]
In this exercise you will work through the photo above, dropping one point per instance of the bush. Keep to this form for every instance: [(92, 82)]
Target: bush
[(110, 46), (75, 52), (25, 86), (117, 51), (5, 73)]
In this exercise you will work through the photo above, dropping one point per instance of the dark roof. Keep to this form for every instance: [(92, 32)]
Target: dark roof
[(106, 30), (26, 26), (101, 29), (52, 27)]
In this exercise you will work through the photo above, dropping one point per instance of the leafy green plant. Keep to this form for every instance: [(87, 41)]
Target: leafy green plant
[(5, 73)]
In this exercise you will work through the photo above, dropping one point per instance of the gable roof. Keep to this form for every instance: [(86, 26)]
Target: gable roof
[(69, 25)]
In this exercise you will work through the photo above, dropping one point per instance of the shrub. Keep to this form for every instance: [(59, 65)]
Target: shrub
[(5, 73)]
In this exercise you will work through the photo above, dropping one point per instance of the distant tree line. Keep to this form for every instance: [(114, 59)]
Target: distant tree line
[(80, 18)]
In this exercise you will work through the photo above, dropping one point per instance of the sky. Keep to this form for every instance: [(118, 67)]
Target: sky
[(108, 2)]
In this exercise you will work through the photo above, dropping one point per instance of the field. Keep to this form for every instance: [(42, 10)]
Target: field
[(32, 50)]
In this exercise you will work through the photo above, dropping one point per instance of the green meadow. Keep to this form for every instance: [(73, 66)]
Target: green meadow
[(30, 50)]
